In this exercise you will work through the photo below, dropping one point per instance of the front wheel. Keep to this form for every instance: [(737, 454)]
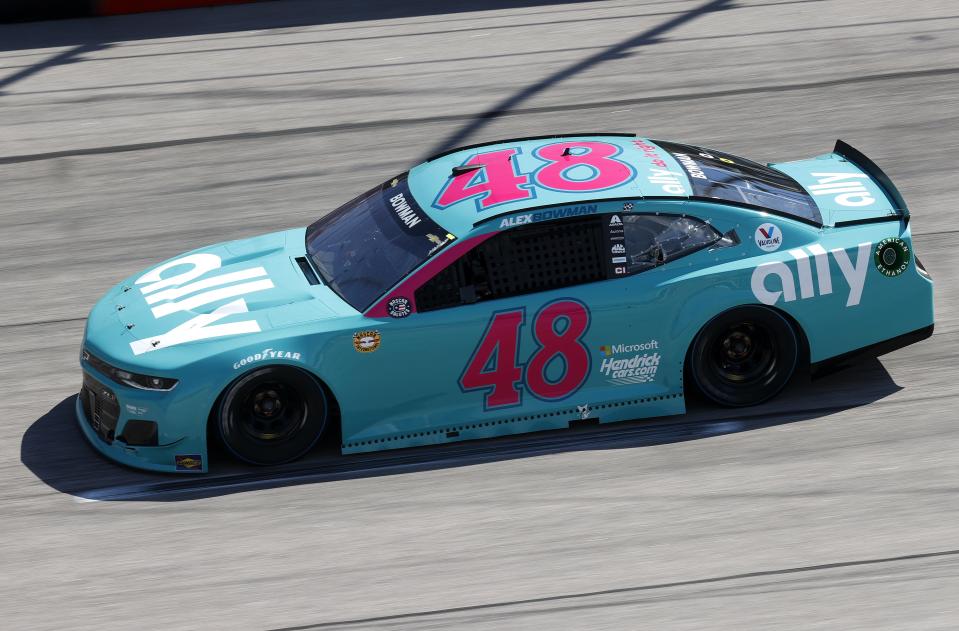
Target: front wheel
[(272, 415), (744, 356)]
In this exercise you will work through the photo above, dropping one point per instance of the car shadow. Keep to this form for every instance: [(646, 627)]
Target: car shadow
[(57, 453)]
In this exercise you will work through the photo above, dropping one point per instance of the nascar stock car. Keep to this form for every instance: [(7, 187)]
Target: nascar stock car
[(501, 288)]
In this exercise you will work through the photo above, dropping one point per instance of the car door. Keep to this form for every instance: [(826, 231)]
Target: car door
[(533, 327)]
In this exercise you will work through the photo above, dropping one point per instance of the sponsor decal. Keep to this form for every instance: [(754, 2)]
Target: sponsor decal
[(399, 307), (615, 221), (394, 181), (136, 410), (618, 248), (891, 256), (619, 270), (438, 242), (846, 189), (584, 411), (548, 214), (404, 211), (608, 350), (266, 353), (188, 462), (785, 289), (628, 206), (768, 237), (625, 364), (186, 291), (628, 370), (366, 341), (692, 167), (618, 259), (668, 181)]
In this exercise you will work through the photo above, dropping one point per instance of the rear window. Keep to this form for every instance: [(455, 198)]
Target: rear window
[(724, 176)]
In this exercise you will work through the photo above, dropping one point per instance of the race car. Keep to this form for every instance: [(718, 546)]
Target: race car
[(508, 287)]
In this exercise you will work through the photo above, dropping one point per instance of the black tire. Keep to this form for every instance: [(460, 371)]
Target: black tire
[(744, 356), (272, 415)]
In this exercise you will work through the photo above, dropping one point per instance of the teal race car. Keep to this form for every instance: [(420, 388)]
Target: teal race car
[(508, 287)]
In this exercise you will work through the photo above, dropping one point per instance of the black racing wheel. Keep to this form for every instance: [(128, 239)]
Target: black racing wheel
[(272, 415), (744, 356)]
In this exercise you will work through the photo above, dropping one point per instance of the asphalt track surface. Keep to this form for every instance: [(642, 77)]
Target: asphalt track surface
[(124, 141)]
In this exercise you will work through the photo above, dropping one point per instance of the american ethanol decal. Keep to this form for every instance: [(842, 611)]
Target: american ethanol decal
[(195, 288)]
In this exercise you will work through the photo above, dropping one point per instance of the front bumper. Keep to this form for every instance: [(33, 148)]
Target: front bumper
[(180, 455)]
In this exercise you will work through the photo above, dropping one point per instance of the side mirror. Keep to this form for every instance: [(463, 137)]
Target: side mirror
[(728, 240)]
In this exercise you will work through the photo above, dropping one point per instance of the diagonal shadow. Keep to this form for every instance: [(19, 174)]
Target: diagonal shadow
[(69, 56), (646, 38)]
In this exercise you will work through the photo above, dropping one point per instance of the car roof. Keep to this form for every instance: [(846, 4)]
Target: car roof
[(655, 174)]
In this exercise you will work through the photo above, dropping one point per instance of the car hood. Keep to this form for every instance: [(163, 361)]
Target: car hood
[(222, 292)]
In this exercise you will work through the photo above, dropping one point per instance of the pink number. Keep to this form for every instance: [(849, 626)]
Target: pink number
[(494, 365), (567, 345), (562, 157), (498, 181), (499, 345)]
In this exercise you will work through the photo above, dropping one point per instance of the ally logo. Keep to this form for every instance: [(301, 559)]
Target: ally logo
[(853, 273), (185, 292), (768, 237)]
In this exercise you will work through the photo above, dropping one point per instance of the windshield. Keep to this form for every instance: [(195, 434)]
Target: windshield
[(367, 245), (723, 176)]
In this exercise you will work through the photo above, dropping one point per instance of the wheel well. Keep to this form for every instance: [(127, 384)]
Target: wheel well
[(334, 432), (801, 362)]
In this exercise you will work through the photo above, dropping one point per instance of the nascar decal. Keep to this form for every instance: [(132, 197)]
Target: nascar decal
[(495, 366), (846, 189), (492, 178), (853, 273), (624, 364), (168, 294)]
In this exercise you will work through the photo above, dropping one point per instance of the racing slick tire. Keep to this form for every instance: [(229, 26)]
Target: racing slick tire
[(272, 415), (744, 356)]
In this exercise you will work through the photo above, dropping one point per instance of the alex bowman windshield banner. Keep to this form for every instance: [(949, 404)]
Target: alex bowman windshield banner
[(411, 219)]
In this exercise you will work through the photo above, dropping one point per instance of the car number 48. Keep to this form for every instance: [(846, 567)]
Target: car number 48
[(558, 330)]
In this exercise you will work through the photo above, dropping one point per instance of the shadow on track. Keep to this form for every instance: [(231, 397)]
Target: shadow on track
[(57, 453)]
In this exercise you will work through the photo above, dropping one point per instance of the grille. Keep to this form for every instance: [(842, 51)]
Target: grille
[(101, 408)]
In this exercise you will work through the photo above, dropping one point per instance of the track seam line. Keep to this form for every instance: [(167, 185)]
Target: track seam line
[(382, 124), (625, 590)]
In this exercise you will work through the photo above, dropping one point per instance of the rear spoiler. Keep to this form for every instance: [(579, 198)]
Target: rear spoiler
[(882, 180)]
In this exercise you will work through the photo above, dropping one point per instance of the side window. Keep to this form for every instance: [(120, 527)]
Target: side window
[(652, 240), (523, 260)]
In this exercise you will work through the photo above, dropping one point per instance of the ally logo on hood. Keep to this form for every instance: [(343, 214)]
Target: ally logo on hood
[(187, 291)]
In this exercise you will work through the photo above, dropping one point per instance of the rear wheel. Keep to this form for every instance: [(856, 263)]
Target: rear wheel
[(272, 415), (744, 356)]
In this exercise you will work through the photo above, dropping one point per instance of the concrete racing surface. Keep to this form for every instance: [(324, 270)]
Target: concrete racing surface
[(124, 141)]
